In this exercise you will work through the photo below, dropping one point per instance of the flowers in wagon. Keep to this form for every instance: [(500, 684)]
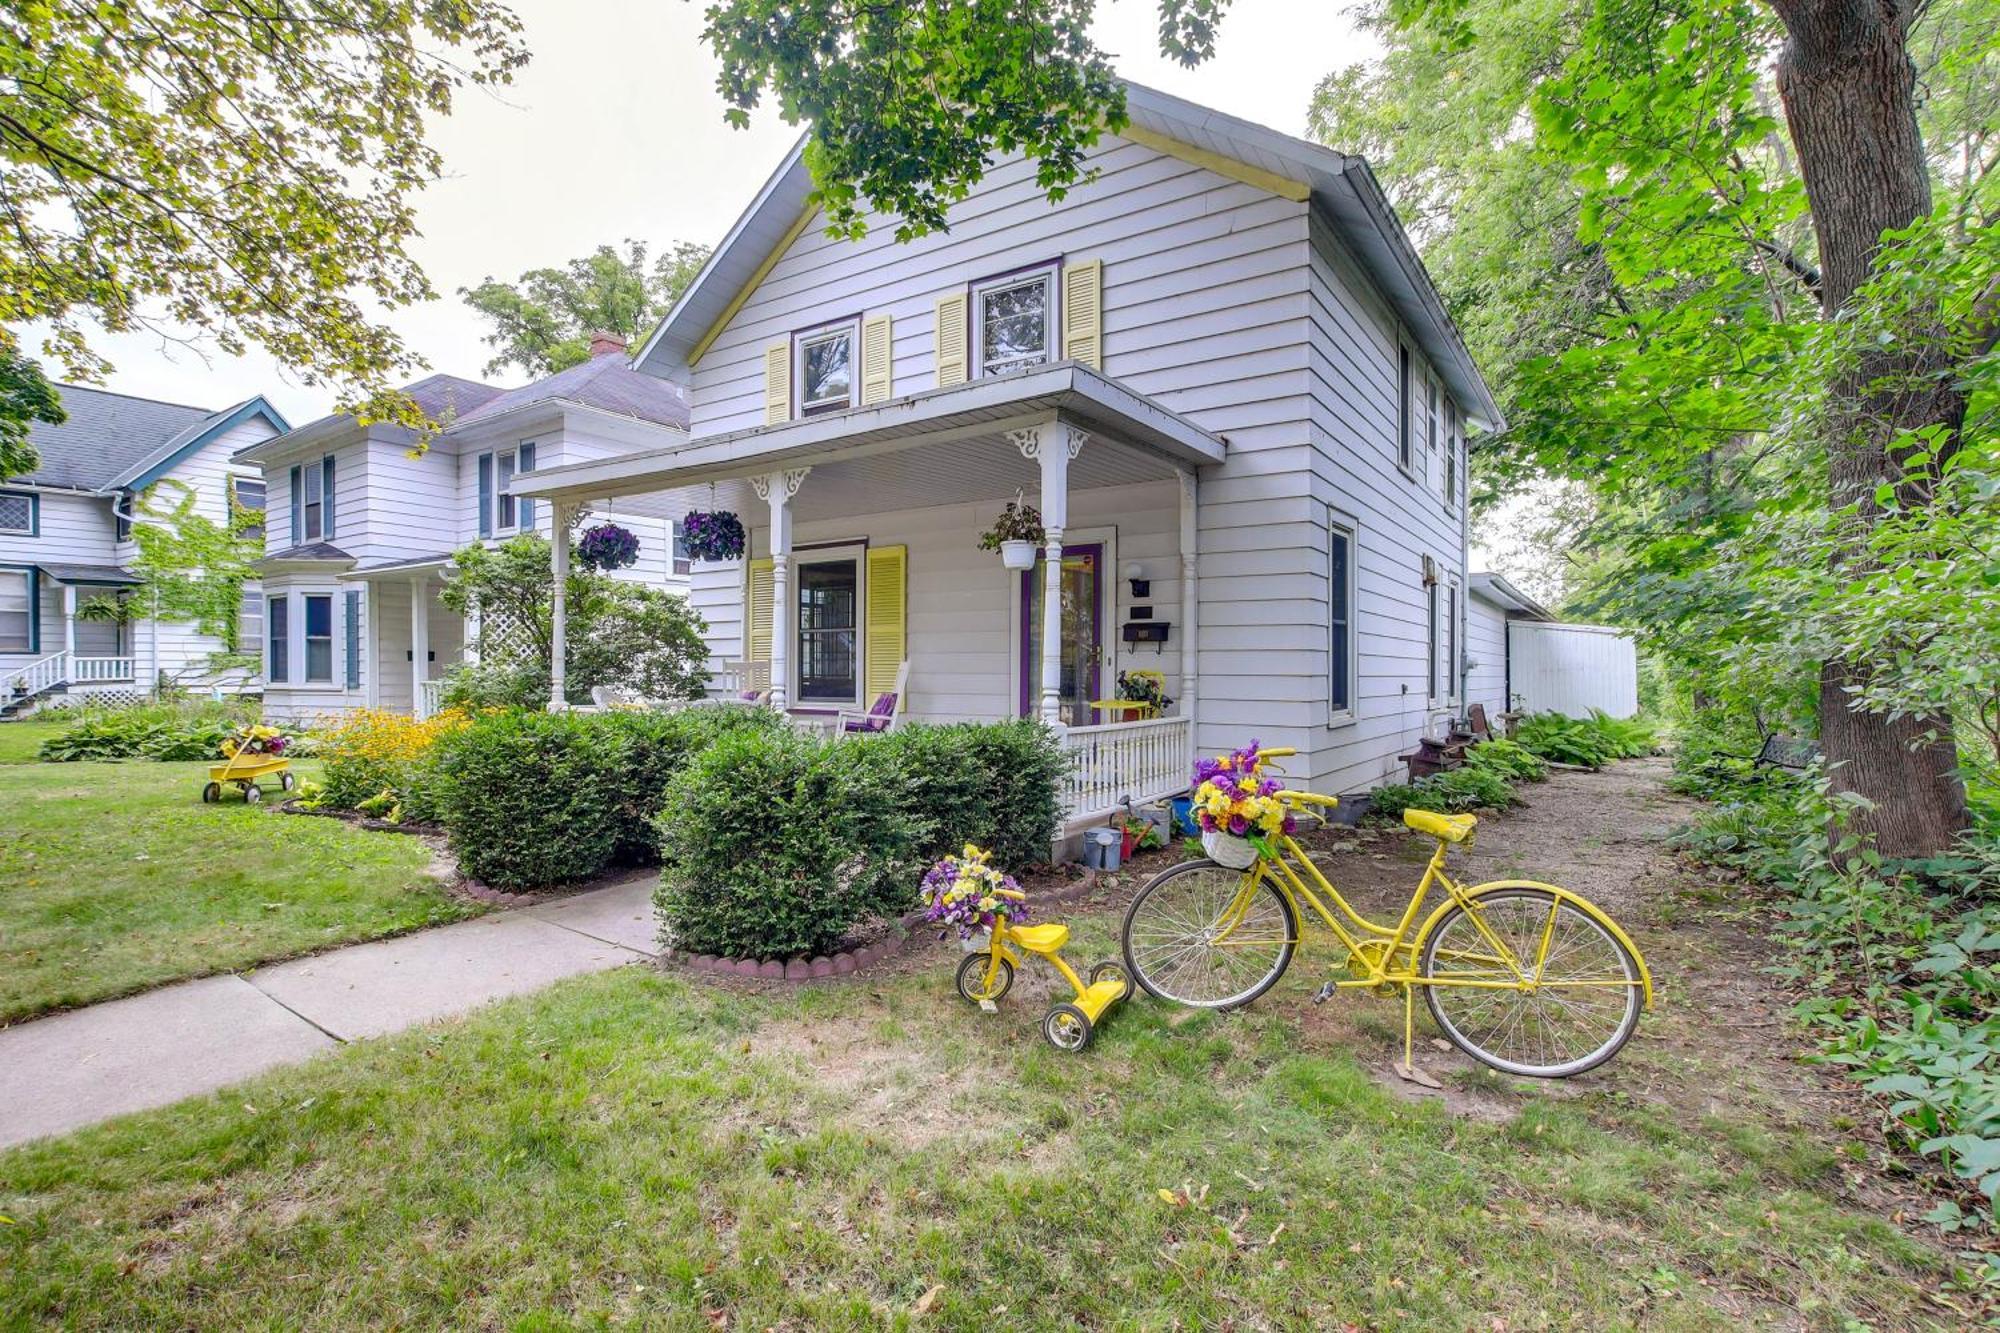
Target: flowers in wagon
[(964, 891), (1231, 796), (254, 738)]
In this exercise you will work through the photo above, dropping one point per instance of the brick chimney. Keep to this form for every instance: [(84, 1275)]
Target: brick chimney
[(604, 344)]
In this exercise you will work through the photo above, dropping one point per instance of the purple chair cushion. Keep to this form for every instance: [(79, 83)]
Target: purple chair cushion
[(750, 696), (879, 715)]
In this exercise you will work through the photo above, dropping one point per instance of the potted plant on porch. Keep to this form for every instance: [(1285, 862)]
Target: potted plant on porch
[(1015, 534)]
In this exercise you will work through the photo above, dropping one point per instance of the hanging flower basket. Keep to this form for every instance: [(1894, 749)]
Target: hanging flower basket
[(713, 536), (607, 547), (1015, 534)]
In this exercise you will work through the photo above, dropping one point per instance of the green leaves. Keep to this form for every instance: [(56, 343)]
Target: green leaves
[(245, 173), (543, 321)]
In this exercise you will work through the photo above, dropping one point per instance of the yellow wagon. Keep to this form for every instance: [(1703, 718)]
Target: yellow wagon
[(246, 761)]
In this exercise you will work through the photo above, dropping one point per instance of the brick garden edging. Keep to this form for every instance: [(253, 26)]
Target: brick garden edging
[(847, 962)]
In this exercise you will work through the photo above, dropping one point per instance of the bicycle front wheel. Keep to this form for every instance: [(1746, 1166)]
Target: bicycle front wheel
[(1581, 1008), (1209, 937)]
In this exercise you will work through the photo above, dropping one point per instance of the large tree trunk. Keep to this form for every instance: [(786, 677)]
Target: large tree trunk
[(1848, 87)]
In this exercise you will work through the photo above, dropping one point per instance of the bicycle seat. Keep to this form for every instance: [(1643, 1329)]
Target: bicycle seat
[(1040, 939), (1451, 828)]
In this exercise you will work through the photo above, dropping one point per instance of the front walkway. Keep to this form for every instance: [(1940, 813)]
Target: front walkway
[(64, 1072)]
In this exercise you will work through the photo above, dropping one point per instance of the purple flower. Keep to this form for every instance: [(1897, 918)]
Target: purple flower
[(713, 536), (607, 546)]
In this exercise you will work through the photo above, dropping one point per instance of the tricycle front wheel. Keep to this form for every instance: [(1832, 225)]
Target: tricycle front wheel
[(972, 980)]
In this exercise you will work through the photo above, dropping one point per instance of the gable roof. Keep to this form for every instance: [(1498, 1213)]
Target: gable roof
[(606, 382), (1343, 187), (447, 398), (114, 441)]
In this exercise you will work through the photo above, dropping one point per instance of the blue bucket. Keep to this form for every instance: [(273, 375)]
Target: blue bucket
[(1183, 808)]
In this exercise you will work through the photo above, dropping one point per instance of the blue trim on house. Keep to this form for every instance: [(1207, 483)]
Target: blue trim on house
[(34, 513), (524, 508), (353, 617), (256, 407)]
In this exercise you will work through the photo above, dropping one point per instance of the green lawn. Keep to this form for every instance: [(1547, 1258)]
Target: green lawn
[(115, 877), (638, 1149)]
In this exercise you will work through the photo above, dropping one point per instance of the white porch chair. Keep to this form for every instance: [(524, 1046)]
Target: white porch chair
[(883, 714)]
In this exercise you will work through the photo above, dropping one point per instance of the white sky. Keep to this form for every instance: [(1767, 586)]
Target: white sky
[(615, 130)]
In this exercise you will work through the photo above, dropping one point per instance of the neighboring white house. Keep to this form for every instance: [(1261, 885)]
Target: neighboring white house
[(1520, 657), (1218, 367), (364, 524), (66, 542)]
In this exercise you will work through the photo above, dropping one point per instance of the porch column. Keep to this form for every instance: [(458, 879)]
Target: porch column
[(69, 627), (560, 515), (1053, 445), (420, 645), (1190, 601), (777, 490)]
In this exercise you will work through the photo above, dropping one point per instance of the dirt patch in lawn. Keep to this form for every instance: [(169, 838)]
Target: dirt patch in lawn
[(879, 1086)]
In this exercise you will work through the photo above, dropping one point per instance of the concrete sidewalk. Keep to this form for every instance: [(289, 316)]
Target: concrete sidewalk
[(61, 1073)]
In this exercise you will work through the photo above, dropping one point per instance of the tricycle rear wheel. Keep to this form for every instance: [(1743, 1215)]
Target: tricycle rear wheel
[(1067, 1028)]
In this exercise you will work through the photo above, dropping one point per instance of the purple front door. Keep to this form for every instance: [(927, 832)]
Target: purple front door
[(1082, 636)]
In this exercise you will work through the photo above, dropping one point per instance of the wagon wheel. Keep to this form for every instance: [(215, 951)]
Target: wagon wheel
[(253, 793), (286, 781), (212, 793)]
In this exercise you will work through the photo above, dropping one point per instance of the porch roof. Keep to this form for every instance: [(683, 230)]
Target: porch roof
[(982, 407), (416, 564), (93, 575)]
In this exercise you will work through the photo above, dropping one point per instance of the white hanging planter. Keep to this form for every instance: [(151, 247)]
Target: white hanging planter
[(1017, 555), (1228, 850)]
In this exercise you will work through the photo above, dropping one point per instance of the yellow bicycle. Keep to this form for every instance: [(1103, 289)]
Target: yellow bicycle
[(1523, 976)]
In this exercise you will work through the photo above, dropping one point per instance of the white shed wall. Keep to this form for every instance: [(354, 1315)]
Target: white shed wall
[(1571, 669)]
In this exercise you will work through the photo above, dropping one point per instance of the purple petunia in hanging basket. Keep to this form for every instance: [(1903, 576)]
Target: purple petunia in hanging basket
[(607, 547), (716, 536)]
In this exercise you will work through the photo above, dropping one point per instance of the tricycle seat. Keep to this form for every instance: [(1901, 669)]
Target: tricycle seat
[(1040, 939)]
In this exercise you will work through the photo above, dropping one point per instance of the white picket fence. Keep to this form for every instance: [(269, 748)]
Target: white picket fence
[(1121, 761)]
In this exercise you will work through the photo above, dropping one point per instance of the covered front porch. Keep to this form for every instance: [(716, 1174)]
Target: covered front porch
[(863, 563), (410, 639)]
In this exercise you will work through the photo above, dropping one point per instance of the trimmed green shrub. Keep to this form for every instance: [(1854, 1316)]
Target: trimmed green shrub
[(534, 799), (773, 846), (176, 732)]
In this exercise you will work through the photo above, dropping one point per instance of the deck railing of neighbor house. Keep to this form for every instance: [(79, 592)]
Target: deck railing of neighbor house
[(430, 698), (1136, 761), (45, 674), (91, 670)]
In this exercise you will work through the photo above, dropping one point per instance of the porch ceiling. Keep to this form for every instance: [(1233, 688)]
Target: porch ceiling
[(862, 460)]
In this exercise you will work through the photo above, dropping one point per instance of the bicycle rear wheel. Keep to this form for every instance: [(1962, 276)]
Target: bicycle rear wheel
[(1190, 938), (1583, 1006)]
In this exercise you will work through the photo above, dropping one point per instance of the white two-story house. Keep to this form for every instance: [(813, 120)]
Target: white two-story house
[(364, 522), (1217, 367), (67, 547)]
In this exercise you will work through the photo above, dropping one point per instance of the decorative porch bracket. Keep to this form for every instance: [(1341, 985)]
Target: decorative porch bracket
[(1053, 444), (777, 490)]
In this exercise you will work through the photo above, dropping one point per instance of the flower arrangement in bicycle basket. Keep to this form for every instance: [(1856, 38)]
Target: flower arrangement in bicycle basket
[(964, 891), (1238, 808)]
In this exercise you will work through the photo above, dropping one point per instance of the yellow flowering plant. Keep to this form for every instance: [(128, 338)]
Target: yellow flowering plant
[(373, 753)]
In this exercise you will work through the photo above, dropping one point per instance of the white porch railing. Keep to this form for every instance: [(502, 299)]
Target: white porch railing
[(430, 698), (1135, 761), (39, 676), (91, 670)]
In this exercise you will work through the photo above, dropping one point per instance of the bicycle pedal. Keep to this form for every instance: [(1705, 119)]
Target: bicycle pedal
[(1325, 993)]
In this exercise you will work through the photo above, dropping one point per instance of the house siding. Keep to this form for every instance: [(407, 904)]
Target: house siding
[(1486, 644)]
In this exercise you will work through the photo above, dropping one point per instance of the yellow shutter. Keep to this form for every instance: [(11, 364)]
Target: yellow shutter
[(757, 611), (951, 340), (887, 642), (777, 383), (877, 355), (1083, 313)]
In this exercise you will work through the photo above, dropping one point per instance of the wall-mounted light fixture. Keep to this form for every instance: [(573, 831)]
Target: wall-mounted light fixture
[(1135, 574)]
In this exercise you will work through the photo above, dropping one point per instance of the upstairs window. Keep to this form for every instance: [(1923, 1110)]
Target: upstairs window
[(509, 511), (315, 504), (1451, 452), (1013, 321), (312, 501), (247, 494), (1404, 426), (497, 509), (825, 369), (17, 513)]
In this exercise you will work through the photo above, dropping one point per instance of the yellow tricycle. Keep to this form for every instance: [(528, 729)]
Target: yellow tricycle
[(988, 973)]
